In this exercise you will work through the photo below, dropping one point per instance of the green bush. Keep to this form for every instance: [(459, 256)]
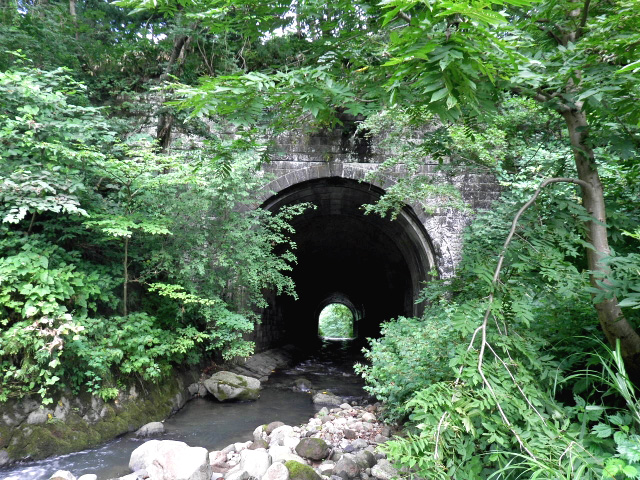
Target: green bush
[(410, 354)]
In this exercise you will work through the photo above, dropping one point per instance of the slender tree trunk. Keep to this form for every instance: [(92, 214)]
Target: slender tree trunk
[(74, 16), (165, 119), (125, 287), (614, 325)]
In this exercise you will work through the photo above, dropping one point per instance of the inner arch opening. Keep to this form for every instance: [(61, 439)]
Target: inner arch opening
[(336, 322), (373, 265)]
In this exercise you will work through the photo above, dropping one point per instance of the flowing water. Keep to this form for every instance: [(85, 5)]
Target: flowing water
[(203, 422)]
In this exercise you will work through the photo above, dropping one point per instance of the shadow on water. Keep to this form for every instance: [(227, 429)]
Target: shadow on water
[(207, 423)]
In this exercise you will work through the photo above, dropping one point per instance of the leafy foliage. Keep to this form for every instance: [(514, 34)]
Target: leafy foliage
[(85, 213)]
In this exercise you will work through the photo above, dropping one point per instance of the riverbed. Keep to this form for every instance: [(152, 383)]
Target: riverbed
[(204, 422)]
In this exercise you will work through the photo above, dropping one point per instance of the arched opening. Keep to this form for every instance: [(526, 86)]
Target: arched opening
[(373, 265), (336, 321)]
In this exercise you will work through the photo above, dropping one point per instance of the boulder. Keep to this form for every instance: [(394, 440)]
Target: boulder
[(153, 428), (227, 386), (272, 426), (89, 476), (346, 467), (62, 475), (300, 471), (327, 398), (171, 460), (313, 448), (255, 462), (365, 459), (279, 435), (276, 471), (383, 470), (302, 385)]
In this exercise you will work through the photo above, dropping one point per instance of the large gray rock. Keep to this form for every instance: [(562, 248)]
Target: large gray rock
[(346, 467), (255, 462), (261, 365), (153, 428), (313, 448), (227, 386), (88, 476), (365, 459), (327, 398), (171, 460), (4, 458), (383, 470), (276, 471)]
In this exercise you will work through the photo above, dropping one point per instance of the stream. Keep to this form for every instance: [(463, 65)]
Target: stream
[(204, 422)]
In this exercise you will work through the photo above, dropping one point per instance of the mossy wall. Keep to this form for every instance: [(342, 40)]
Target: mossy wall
[(30, 432)]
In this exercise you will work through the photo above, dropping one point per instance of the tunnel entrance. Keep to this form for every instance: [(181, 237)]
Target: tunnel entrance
[(371, 264)]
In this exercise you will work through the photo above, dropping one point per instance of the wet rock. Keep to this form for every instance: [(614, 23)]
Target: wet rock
[(62, 475), (383, 470), (346, 468), (4, 458), (365, 459), (255, 462), (359, 444), (302, 385), (368, 417), (326, 398), (153, 428), (272, 426), (279, 435), (38, 417), (277, 471), (227, 386), (171, 460), (350, 434), (313, 448), (261, 365), (300, 471), (258, 444)]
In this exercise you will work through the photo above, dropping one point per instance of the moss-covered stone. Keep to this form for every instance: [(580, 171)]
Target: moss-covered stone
[(313, 448), (89, 422), (299, 471)]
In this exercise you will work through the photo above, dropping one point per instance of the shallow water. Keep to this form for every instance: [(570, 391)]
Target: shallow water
[(204, 422)]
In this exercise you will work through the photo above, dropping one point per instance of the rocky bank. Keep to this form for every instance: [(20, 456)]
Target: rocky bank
[(336, 444)]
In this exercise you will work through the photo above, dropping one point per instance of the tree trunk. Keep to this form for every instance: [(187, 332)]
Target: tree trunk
[(614, 325), (165, 119), (125, 287)]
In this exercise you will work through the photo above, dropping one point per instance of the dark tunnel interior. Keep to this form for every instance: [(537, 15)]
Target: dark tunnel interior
[(373, 265)]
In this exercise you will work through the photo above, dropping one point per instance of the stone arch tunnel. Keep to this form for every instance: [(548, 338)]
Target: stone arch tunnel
[(373, 265)]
